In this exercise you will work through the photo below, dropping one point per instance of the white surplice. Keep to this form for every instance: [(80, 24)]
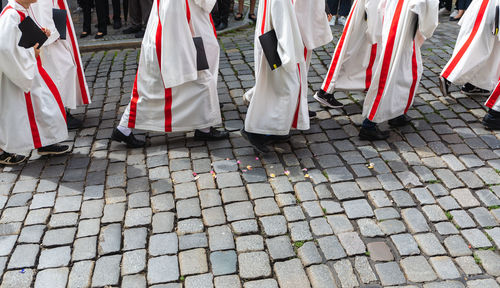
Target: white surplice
[(61, 58), (276, 99), (476, 57), (169, 94), (32, 110), (356, 54), (493, 101), (406, 25)]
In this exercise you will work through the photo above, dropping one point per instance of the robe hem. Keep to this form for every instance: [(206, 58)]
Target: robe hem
[(174, 129)]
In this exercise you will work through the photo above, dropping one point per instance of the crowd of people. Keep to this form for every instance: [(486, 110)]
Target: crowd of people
[(378, 53)]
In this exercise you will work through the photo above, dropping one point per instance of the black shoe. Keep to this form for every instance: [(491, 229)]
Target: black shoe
[(277, 138), (130, 140), (221, 26), (312, 114), (132, 30), (327, 100), (11, 158), (72, 122), (492, 120), (400, 121), (214, 134), (100, 35), (443, 86), (84, 34), (471, 90), (54, 149), (373, 134), (453, 19), (258, 141), (139, 34), (117, 25)]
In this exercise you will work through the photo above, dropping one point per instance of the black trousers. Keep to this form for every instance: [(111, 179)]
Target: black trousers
[(87, 15), (4, 3), (343, 10), (102, 9), (221, 13), (446, 4), (463, 4)]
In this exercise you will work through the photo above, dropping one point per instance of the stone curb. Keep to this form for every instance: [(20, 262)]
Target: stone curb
[(136, 43)]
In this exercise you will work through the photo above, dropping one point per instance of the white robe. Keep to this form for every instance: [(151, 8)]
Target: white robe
[(169, 94), (406, 25), (493, 101), (276, 104), (476, 57), (356, 53), (32, 110), (61, 58)]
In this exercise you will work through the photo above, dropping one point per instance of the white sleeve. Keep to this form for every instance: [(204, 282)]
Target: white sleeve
[(42, 11), (18, 63)]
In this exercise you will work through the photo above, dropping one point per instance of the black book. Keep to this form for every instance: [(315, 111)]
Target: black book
[(497, 20), (269, 43), (32, 34), (59, 16), (201, 55)]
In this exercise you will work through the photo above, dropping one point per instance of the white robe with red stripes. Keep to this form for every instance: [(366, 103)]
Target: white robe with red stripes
[(493, 101), (406, 25), (61, 58), (476, 57), (315, 32), (356, 52), (31, 108), (277, 103), (169, 94)]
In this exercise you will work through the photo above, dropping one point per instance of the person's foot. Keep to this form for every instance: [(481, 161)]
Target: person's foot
[(400, 121), (84, 34), (11, 158), (277, 138), (327, 100), (100, 35), (312, 114), (342, 20), (54, 149), (454, 13), (332, 22), (471, 90), (373, 134), (72, 122), (457, 16), (492, 120), (238, 16), (252, 17), (140, 34), (258, 141), (131, 30), (130, 140), (117, 25), (213, 135), (444, 86), (454, 19), (221, 26)]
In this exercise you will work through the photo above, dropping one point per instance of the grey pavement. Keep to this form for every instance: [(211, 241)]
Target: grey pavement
[(326, 209)]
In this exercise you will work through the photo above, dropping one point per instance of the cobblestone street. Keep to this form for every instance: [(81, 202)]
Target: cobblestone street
[(324, 210)]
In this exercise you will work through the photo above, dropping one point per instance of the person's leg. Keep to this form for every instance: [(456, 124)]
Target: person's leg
[(252, 6), (87, 17), (135, 15), (146, 10), (117, 20), (102, 17), (226, 4), (345, 7), (334, 6)]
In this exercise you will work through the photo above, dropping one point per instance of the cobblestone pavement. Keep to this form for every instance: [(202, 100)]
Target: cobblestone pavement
[(325, 210)]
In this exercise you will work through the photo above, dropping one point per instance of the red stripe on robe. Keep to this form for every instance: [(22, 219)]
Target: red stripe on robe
[(414, 72), (494, 96), (52, 86), (369, 69)]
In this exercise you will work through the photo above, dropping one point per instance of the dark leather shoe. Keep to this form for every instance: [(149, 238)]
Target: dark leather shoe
[(117, 25), (258, 141), (312, 114), (444, 86), (492, 121), (373, 134), (277, 138), (132, 30), (99, 36), (400, 121), (72, 122), (54, 149), (139, 34), (214, 134), (221, 26), (130, 140)]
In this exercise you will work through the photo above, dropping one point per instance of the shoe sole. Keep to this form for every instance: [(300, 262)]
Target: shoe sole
[(475, 94), (3, 162), (324, 103), (442, 86), (54, 153)]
